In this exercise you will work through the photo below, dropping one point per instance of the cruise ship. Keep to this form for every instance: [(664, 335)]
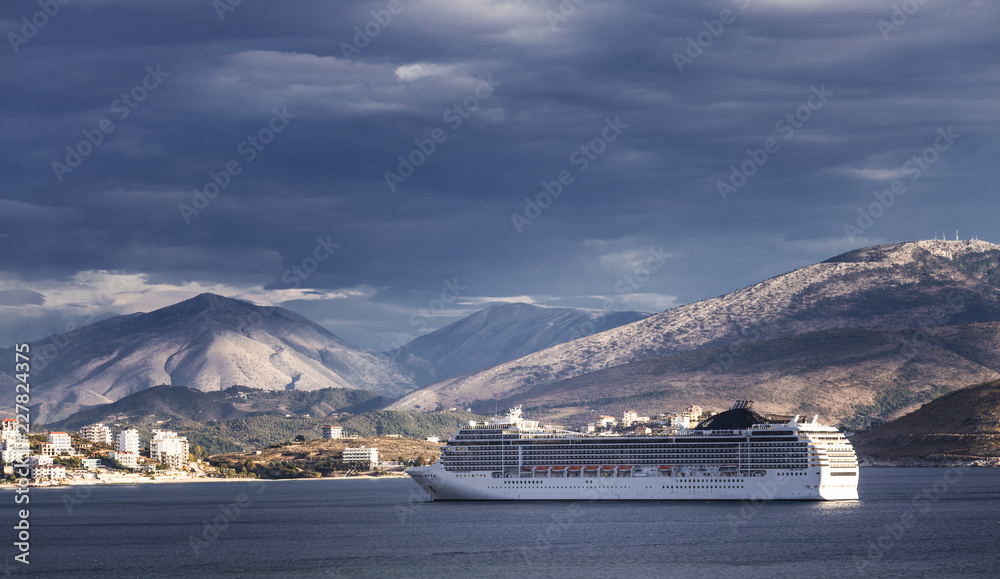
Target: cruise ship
[(735, 455)]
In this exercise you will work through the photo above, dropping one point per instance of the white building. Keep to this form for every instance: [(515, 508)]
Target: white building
[(8, 427), (36, 461), (168, 448), (61, 441), (126, 459), (331, 431), (128, 441), (681, 420), (631, 417), (604, 421), (97, 433), (14, 444), (361, 454), (48, 472)]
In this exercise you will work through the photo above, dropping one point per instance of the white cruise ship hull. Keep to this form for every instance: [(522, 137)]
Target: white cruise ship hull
[(442, 485), (736, 455)]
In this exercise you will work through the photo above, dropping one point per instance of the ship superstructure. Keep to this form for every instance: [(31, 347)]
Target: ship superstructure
[(735, 455)]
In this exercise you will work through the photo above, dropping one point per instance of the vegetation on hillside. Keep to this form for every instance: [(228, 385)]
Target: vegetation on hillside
[(186, 404)]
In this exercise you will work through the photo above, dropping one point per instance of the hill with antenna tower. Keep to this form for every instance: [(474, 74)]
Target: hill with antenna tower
[(859, 338)]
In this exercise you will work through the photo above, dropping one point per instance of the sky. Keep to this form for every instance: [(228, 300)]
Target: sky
[(386, 167)]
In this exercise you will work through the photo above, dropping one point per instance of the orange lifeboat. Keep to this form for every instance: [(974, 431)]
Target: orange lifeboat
[(576, 468), (666, 467), (541, 468), (625, 467)]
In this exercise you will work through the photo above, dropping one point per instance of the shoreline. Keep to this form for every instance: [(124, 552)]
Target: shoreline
[(181, 480)]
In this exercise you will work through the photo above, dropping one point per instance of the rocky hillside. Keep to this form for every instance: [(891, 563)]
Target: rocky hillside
[(498, 334), (876, 330), (207, 343), (184, 405), (960, 428)]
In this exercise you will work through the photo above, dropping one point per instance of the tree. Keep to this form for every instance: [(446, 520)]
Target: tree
[(198, 452), (421, 460)]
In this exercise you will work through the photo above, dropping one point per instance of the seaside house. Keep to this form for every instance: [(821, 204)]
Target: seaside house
[(61, 442), (168, 448), (126, 459), (48, 472), (361, 454), (97, 433), (128, 441)]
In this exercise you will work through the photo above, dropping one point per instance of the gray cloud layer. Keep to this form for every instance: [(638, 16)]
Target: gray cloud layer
[(510, 95)]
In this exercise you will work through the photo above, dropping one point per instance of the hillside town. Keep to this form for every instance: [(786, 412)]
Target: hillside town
[(631, 422), (97, 453)]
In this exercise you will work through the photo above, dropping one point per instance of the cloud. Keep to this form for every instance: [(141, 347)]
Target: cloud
[(21, 297), (558, 80)]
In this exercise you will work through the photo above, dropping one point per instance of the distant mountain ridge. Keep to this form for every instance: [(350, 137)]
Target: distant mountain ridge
[(211, 342), (926, 314), (208, 343), (498, 334)]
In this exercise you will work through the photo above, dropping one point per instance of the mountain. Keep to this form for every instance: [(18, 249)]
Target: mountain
[(864, 335), (208, 343), (239, 417), (498, 334), (177, 403), (959, 428)]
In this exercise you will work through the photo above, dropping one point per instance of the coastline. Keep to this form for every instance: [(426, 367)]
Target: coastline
[(183, 479)]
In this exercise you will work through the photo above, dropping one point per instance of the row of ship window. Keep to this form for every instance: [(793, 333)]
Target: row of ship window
[(602, 487)]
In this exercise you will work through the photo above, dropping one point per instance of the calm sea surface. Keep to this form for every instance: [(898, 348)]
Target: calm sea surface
[(908, 523)]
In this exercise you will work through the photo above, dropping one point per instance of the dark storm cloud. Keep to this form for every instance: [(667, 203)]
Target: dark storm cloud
[(191, 88)]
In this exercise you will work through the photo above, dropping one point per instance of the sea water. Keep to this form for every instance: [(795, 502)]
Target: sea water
[(909, 522)]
